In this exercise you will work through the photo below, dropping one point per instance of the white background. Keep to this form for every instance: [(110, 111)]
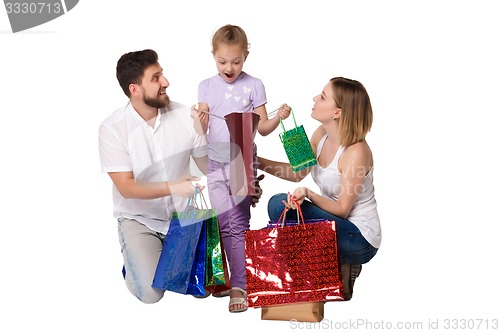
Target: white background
[(431, 69)]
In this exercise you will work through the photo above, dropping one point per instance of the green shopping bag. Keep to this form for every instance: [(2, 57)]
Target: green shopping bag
[(297, 147), (215, 266)]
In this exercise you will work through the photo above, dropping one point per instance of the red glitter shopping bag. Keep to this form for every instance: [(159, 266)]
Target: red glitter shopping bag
[(292, 264)]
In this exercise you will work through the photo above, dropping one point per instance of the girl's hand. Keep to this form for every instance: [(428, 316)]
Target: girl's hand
[(197, 115), (284, 111), (258, 190)]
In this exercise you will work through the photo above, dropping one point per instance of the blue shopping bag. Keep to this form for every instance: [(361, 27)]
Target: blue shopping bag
[(181, 267)]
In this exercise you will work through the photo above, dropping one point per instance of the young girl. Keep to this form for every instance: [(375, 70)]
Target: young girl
[(229, 91)]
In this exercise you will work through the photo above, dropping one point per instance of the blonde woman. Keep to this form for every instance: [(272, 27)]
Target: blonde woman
[(344, 175)]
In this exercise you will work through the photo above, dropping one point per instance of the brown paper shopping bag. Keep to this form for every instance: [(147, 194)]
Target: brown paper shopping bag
[(305, 312)]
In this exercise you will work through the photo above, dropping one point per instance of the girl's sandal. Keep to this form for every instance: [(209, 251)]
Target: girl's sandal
[(238, 301)]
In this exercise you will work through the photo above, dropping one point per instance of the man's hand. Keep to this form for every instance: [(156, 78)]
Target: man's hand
[(258, 190), (183, 186)]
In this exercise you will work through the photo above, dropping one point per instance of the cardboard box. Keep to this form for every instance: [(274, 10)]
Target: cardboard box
[(305, 312)]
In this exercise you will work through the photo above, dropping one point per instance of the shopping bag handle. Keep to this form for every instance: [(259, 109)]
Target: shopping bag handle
[(300, 216), (197, 189), (293, 116), (192, 202), (281, 218), (299, 213)]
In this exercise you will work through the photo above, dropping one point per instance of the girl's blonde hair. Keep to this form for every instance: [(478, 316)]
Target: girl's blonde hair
[(356, 117), (231, 35)]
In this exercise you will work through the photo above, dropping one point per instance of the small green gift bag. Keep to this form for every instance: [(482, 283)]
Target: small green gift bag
[(215, 264), (297, 147), (215, 260)]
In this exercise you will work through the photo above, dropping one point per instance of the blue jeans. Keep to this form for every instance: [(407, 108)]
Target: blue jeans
[(352, 246), (141, 248)]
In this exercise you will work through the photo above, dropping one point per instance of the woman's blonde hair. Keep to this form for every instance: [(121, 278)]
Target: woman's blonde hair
[(231, 35), (356, 118)]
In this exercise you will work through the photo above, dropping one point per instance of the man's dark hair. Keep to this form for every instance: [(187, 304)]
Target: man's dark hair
[(131, 66)]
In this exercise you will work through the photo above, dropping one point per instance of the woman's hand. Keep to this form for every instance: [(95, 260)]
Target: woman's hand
[(297, 198)]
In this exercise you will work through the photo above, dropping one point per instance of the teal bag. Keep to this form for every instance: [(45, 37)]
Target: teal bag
[(297, 147)]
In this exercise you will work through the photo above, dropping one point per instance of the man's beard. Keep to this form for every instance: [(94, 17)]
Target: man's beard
[(156, 102)]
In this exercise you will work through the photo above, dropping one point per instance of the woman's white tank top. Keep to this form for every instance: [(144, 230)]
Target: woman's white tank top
[(364, 213)]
